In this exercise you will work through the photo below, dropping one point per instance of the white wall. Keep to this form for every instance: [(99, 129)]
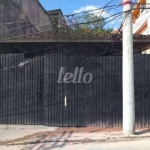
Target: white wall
[(144, 18)]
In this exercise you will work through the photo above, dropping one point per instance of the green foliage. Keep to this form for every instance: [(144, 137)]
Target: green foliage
[(91, 23)]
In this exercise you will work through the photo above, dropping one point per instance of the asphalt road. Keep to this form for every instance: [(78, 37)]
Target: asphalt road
[(142, 144)]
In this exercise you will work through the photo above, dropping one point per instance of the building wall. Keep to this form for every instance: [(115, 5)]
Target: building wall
[(6, 15), (141, 20), (14, 11), (36, 14)]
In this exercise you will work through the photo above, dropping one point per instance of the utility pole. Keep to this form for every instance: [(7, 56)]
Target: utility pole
[(128, 71)]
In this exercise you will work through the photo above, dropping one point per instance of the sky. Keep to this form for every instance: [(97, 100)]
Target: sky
[(73, 6), (76, 6)]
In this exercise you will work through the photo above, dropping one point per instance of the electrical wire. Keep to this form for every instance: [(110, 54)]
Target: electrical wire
[(82, 23), (61, 15), (31, 26)]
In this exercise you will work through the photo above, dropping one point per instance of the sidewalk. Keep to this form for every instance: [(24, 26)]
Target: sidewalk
[(37, 134)]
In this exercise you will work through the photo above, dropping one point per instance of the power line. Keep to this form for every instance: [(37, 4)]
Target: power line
[(28, 61), (82, 23), (61, 15), (70, 22)]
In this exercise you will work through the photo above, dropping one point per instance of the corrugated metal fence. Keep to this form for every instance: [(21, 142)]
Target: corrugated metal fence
[(21, 96), (32, 94), (98, 103)]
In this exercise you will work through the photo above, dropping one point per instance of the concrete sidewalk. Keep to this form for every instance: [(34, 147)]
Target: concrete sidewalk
[(11, 134)]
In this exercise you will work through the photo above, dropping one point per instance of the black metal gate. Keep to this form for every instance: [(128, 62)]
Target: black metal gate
[(98, 103), (32, 95)]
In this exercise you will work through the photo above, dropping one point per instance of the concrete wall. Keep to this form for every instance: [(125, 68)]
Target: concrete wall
[(36, 13), (6, 15), (16, 10)]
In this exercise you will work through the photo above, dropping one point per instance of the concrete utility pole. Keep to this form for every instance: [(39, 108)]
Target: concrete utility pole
[(128, 71)]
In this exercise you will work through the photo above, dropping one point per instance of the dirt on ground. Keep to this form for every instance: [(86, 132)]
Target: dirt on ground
[(59, 133)]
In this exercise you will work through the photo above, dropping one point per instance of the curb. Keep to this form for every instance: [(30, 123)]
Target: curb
[(101, 139)]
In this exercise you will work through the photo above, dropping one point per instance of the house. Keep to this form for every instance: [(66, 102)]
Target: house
[(30, 93), (26, 27), (23, 17), (141, 20), (57, 18)]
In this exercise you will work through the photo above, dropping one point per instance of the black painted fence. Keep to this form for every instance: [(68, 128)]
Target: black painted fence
[(32, 94), (21, 96)]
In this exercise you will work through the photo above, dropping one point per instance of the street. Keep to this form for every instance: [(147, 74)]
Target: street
[(141, 144)]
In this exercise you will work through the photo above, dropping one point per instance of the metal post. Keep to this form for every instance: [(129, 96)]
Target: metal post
[(128, 71)]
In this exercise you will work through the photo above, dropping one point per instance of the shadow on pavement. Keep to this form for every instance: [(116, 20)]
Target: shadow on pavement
[(50, 145), (142, 132)]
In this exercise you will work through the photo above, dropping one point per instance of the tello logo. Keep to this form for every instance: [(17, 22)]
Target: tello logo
[(77, 77)]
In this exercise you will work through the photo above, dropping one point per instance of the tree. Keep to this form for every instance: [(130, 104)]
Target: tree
[(91, 23)]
